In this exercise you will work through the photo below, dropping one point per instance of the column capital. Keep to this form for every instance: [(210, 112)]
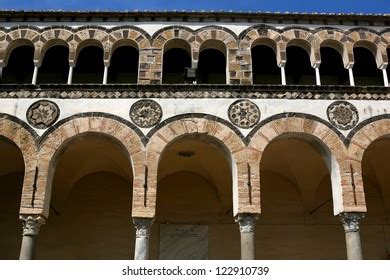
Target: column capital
[(247, 222), (31, 223), (351, 221), (142, 226)]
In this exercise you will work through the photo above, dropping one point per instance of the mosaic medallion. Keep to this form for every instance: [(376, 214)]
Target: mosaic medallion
[(342, 115), (43, 114), (244, 113), (146, 113)]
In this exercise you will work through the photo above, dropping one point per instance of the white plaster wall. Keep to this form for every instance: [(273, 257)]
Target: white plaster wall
[(174, 107)]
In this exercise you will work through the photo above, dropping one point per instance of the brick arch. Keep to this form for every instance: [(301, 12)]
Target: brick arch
[(56, 36), (136, 34), (87, 34), (346, 195), (303, 38), (24, 138), (256, 35), (19, 36), (373, 42), (209, 126), (165, 34), (230, 40), (57, 139), (215, 33), (335, 38), (129, 36)]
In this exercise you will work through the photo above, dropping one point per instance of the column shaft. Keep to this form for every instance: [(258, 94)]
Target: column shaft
[(142, 226), (351, 78), (247, 224), (35, 75), (70, 75), (318, 77), (283, 74), (385, 78), (105, 74)]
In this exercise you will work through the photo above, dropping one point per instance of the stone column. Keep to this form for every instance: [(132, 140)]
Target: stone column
[(247, 224), (352, 234), (385, 78), (142, 225), (31, 225), (70, 74), (351, 78), (283, 75), (35, 75), (105, 74), (318, 77)]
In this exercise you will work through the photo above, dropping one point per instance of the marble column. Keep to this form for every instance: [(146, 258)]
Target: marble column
[(70, 75), (35, 75), (385, 78), (31, 225), (247, 224), (283, 75), (350, 222), (351, 78), (142, 226), (105, 74), (318, 76)]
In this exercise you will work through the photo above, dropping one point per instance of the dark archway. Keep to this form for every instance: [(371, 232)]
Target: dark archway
[(55, 66), (89, 67), (20, 66), (332, 68), (264, 65), (365, 71), (298, 67), (124, 65), (211, 67), (175, 61)]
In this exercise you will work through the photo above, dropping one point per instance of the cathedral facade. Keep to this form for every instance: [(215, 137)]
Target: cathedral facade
[(194, 135)]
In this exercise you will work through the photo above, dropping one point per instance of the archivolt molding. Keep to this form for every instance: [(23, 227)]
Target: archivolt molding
[(205, 127), (24, 138), (53, 143), (343, 184), (373, 41)]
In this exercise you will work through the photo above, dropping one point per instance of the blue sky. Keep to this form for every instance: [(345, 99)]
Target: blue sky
[(337, 6)]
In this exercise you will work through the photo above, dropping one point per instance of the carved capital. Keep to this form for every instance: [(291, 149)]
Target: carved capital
[(142, 226), (247, 222), (31, 223), (351, 221)]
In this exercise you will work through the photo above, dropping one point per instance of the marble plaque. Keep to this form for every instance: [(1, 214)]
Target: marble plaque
[(184, 242)]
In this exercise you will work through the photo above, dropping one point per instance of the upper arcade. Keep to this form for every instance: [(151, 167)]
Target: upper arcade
[(193, 48)]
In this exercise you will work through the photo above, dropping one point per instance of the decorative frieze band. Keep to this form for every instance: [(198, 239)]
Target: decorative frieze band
[(222, 93)]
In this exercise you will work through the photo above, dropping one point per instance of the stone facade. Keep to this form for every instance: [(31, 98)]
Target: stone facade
[(43, 122)]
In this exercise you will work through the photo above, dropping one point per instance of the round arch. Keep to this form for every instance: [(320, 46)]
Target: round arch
[(56, 140), (346, 196), (213, 129)]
